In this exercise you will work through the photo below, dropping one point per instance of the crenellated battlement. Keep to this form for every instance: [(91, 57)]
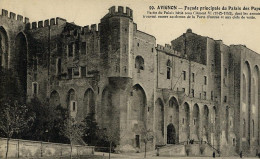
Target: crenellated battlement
[(47, 23), (14, 16), (168, 49), (91, 28), (121, 11)]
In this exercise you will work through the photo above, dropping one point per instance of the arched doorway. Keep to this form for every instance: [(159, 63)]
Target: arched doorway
[(171, 134)]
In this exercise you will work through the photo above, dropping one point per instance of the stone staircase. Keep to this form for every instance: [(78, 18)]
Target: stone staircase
[(183, 149)]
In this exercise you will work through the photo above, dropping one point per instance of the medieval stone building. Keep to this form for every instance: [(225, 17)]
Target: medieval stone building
[(195, 88)]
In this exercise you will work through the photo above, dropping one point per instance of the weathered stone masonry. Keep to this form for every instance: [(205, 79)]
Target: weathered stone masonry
[(194, 88)]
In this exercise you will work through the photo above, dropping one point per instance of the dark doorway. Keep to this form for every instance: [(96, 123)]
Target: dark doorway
[(171, 134)]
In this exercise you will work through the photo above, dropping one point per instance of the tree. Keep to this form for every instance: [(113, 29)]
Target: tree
[(92, 134), (48, 123), (73, 131), (14, 119), (147, 135)]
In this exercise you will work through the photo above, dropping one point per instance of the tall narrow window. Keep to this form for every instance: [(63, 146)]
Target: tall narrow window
[(71, 49), (244, 128), (83, 48), (34, 88), (192, 92), (73, 106), (225, 99), (184, 75), (58, 67), (193, 77), (70, 73), (253, 128), (205, 95), (35, 65), (169, 69), (211, 95), (205, 80), (83, 71), (137, 141), (226, 72)]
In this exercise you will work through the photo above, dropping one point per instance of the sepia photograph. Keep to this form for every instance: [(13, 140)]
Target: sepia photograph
[(96, 79)]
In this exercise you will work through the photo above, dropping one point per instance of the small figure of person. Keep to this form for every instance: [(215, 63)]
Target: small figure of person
[(241, 154), (214, 155)]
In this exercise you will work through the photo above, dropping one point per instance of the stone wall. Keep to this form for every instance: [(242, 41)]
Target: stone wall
[(27, 148)]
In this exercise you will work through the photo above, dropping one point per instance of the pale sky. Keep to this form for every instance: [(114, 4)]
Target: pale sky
[(87, 12)]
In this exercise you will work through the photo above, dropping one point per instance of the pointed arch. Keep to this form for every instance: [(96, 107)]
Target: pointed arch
[(4, 48), (196, 119), (175, 113), (159, 116), (88, 102), (186, 119), (138, 103), (54, 98), (206, 122), (20, 59), (106, 106)]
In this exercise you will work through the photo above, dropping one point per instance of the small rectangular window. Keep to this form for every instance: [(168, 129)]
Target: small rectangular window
[(205, 95), (137, 141), (70, 73), (71, 50), (183, 90), (212, 95), (83, 71), (205, 80), (35, 88), (152, 49), (225, 99), (192, 92), (193, 77), (73, 106), (226, 72), (184, 75), (76, 72)]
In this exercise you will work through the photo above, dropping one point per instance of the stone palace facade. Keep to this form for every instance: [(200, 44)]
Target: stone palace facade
[(195, 88)]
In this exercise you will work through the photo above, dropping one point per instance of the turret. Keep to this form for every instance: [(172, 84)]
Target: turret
[(116, 41)]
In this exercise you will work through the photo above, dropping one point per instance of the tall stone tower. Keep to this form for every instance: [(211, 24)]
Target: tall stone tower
[(116, 54), (116, 41)]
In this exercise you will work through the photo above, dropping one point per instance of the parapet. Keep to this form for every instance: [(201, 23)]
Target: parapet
[(168, 49), (91, 28), (121, 11), (14, 17), (48, 22)]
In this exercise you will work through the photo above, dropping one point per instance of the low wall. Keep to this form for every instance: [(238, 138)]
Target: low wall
[(27, 148)]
